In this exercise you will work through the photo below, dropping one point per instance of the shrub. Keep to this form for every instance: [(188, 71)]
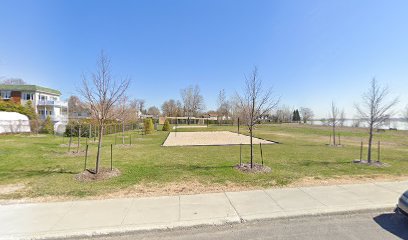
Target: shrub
[(30, 111), (166, 126), (47, 126), (148, 125), (74, 126), (10, 106)]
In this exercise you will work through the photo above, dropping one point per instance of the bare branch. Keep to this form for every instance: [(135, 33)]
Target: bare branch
[(254, 102), (375, 109), (101, 94)]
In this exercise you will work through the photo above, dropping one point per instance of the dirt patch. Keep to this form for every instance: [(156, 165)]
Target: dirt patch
[(36, 135), (73, 145), (174, 127), (190, 187), (177, 188), (339, 180), (104, 173), (11, 188), (280, 134), (148, 190), (373, 163), (256, 168), (123, 145), (81, 153)]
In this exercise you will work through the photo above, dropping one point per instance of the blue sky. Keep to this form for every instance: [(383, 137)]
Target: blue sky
[(311, 52)]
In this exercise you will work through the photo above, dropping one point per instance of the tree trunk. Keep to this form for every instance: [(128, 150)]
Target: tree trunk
[(79, 139), (334, 134), (98, 154), (252, 149), (123, 133), (370, 141)]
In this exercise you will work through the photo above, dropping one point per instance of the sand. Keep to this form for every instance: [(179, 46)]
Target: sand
[(218, 138)]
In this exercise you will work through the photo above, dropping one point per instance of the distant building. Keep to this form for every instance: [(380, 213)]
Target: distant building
[(211, 116), (265, 118), (46, 101)]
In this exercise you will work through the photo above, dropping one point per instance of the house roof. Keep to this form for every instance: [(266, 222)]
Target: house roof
[(33, 88)]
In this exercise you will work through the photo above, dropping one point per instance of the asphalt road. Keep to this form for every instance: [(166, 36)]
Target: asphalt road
[(368, 225)]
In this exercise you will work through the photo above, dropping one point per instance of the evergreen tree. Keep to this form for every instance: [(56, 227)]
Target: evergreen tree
[(148, 125), (32, 115), (47, 126), (166, 126), (296, 116)]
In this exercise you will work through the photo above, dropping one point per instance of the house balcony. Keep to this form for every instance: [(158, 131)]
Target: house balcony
[(52, 103), (55, 118)]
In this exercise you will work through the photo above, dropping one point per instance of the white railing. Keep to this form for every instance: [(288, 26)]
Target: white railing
[(59, 118), (52, 103)]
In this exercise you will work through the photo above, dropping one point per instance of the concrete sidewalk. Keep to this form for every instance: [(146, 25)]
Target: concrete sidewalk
[(62, 219)]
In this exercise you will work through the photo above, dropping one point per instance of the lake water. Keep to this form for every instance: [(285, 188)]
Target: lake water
[(394, 123)]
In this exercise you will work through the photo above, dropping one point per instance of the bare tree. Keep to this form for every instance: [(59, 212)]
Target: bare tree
[(334, 120), (193, 101), (141, 105), (235, 108), (124, 113), (307, 114), (342, 118), (223, 105), (134, 109), (356, 123), (180, 109), (284, 114), (155, 111), (375, 110), (254, 103), (76, 107), (101, 93), (13, 81), (169, 108)]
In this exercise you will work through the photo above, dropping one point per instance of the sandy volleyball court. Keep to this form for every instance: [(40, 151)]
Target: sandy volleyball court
[(209, 138), (174, 127)]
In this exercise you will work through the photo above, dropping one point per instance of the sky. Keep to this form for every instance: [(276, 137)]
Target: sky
[(309, 52)]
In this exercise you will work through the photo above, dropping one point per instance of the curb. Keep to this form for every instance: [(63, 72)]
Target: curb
[(113, 231)]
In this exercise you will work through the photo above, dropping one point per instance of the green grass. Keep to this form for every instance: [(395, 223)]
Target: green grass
[(45, 167)]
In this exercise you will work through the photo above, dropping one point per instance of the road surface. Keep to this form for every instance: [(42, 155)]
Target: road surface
[(368, 225)]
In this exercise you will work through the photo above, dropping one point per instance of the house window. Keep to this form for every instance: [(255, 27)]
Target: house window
[(28, 96), (42, 97), (5, 94), (50, 113)]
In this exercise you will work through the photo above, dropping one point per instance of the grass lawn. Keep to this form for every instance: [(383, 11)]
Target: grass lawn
[(41, 163)]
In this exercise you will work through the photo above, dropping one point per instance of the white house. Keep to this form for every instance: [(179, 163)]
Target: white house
[(46, 101)]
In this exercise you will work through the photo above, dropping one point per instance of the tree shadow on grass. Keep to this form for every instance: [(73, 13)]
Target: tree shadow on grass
[(308, 145), (394, 223), (196, 167), (23, 173), (308, 163)]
